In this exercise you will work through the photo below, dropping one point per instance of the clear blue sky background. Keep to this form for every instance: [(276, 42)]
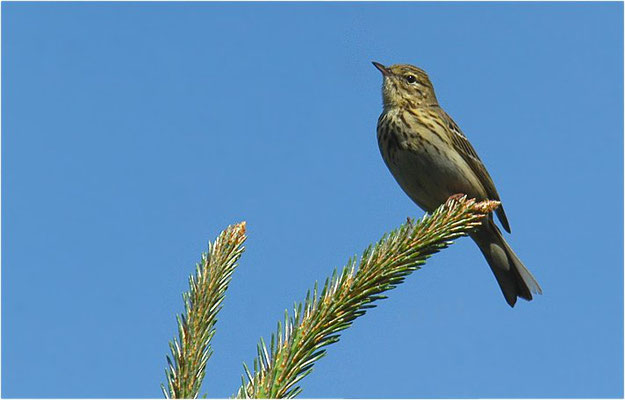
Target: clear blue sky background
[(133, 133)]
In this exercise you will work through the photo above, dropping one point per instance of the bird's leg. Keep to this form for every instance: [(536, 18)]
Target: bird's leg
[(456, 196)]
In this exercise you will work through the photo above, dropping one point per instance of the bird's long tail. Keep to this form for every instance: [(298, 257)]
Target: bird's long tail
[(514, 279)]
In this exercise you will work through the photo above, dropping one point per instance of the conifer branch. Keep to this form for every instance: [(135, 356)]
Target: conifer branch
[(196, 327), (300, 340)]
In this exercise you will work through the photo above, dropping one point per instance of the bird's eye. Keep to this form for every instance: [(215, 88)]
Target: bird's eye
[(411, 78)]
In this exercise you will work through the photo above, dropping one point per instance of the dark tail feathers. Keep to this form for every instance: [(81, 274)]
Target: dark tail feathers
[(514, 279)]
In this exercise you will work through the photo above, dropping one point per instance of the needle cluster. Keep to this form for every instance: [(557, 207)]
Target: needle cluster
[(196, 326)]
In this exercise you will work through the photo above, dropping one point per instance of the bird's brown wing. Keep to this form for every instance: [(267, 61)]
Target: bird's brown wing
[(468, 153)]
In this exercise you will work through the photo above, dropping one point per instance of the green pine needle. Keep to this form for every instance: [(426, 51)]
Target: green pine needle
[(300, 340), (196, 327)]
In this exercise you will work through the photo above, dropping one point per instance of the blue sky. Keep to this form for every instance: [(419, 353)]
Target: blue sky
[(132, 133)]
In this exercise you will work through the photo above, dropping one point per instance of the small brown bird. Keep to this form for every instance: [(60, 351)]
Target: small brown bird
[(432, 159)]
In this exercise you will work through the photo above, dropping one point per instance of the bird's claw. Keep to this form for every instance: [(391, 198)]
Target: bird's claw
[(457, 196)]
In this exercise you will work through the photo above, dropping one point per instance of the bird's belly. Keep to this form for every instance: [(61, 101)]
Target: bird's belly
[(429, 176)]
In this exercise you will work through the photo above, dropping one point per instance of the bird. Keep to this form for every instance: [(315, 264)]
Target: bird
[(431, 159)]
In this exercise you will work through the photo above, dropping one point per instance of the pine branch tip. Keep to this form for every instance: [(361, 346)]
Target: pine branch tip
[(487, 206), (471, 204), (196, 325), (242, 227)]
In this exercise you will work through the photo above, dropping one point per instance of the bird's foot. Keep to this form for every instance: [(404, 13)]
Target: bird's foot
[(457, 196)]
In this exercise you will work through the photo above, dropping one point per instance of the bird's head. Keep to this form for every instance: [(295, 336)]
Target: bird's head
[(406, 86)]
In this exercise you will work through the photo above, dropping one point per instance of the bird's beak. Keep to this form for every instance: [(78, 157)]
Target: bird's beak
[(382, 68)]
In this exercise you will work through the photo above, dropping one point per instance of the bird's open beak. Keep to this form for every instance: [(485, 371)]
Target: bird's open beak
[(382, 68)]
